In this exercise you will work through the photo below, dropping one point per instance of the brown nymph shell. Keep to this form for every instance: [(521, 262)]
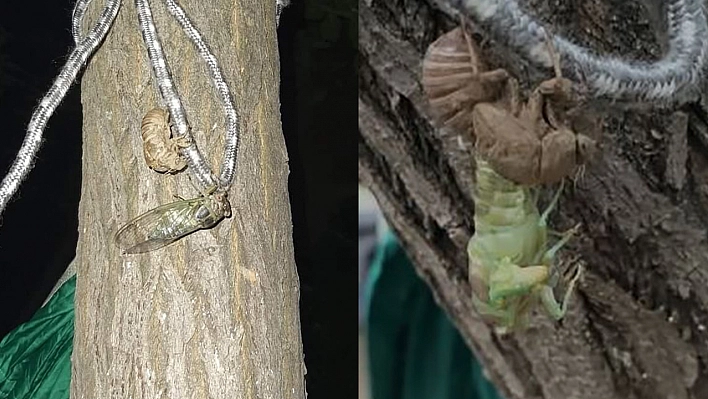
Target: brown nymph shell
[(160, 149), (456, 79)]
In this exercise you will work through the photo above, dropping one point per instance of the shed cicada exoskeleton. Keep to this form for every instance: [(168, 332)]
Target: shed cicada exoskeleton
[(160, 148), (168, 223)]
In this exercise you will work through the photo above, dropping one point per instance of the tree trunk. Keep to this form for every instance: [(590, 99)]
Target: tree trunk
[(637, 325), (214, 315)]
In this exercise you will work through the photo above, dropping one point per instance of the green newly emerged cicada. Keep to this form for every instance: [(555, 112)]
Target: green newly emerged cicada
[(510, 267), (518, 147), (168, 223)]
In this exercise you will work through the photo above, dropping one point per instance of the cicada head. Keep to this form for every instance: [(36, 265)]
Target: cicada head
[(220, 204), (507, 316), (213, 208)]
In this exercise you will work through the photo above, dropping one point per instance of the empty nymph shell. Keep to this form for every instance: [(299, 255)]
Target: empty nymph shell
[(161, 150), (455, 79)]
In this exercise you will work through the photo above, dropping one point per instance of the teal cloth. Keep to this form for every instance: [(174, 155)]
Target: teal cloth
[(35, 358), (414, 350)]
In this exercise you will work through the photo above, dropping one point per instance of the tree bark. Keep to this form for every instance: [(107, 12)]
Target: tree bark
[(637, 324), (214, 315)]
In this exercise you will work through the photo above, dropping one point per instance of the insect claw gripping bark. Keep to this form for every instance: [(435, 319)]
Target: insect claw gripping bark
[(518, 147)]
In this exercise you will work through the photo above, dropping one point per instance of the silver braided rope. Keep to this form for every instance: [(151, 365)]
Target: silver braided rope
[(77, 17), (77, 58), (672, 80), (197, 165), (228, 165)]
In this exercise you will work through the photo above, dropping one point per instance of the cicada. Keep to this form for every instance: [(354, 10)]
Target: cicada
[(518, 147), (511, 267), (168, 223)]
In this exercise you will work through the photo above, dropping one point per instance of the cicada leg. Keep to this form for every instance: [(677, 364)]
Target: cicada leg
[(497, 75), (508, 279), (547, 212), (180, 142), (494, 76), (547, 257), (556, 310)]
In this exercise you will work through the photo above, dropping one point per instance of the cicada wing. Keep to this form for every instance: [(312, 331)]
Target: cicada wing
[(158, 227), (131, 240)]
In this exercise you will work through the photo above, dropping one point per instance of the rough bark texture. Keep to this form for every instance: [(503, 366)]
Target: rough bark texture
[(214, 315), (637, 325)]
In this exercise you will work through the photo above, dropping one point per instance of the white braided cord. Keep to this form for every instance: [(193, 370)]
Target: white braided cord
[(228, 164), (77, 58), (197, 165), (672, 80)]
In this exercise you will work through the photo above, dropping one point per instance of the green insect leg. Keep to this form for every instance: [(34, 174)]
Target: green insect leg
[(548, 256), (556, 310), (544, 216), (509, 280)]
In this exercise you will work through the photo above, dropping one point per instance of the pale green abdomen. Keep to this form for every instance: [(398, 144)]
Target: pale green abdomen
[(507, 222)]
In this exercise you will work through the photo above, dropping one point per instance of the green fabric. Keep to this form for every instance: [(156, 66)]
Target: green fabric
[(414, 350), (35, 358)]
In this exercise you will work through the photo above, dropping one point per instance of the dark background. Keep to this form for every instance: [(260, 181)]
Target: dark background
[(38, 230)]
